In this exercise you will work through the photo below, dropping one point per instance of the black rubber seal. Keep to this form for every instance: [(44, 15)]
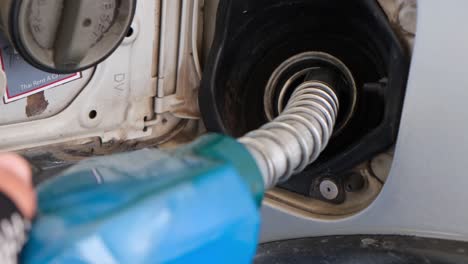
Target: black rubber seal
[(364, 250)]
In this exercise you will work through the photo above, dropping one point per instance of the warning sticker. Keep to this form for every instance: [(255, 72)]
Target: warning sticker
[(23, 79)]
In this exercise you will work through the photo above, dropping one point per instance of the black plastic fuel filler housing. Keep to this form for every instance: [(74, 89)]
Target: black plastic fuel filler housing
[(253, 37)]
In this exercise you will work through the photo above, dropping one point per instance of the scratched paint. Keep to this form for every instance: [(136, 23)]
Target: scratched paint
[(36, 104)]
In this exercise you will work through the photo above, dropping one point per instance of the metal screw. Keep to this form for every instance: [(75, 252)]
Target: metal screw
[(329, 190)]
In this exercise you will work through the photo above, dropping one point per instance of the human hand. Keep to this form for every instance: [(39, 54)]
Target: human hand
[(17, 206), (16, 183)]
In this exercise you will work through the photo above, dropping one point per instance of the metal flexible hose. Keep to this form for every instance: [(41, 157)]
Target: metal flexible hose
[(295, 139)]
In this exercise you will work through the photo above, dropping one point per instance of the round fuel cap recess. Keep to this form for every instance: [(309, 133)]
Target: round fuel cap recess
[(64, 36)]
